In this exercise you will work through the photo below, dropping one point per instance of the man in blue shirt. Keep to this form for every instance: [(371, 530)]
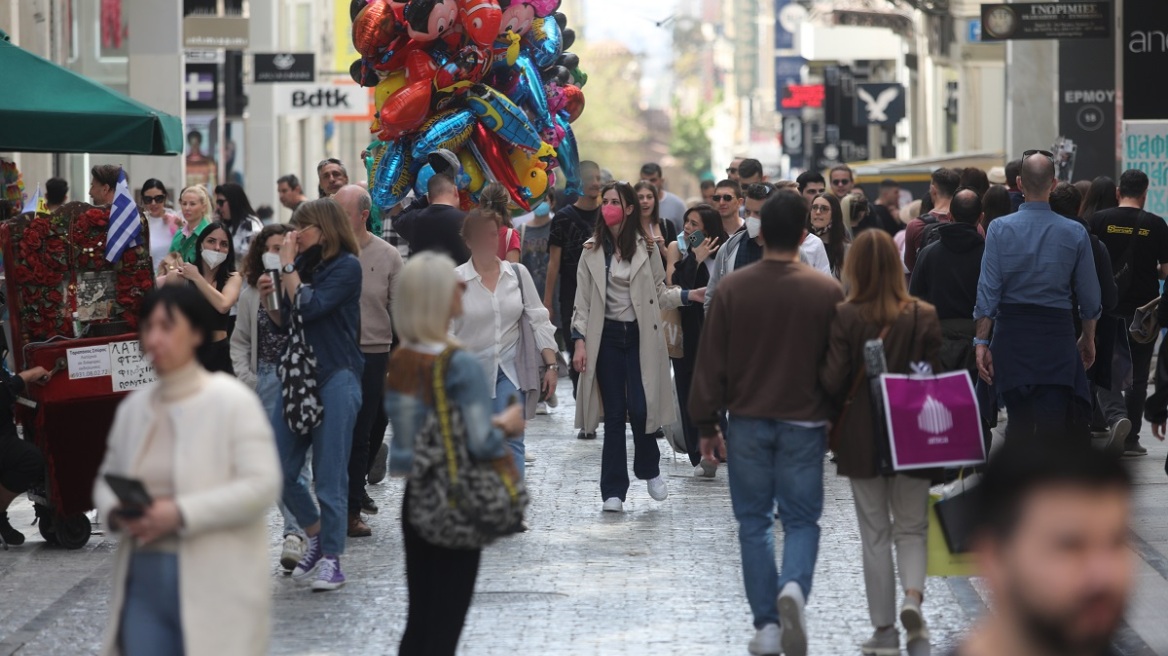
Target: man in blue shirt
[(1034, 261)]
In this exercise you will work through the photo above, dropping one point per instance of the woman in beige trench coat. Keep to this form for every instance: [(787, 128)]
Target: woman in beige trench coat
[(616, 327), (191, 574)]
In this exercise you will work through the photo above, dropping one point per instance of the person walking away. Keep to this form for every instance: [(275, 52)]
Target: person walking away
[(190, 574), (571, 227), (1137, 242), (380, 265), (437, 227), (195, 204), (56, 193), (619, 349), (890, 506), (215, 278), (778, 417), (1013, 173), (440, 581), (495, 198), (499, 297), (321, 279), (1102, 195), (1034, 501), (944, 184), (887, 206), (534, 236), (160, 221), (689, 268), (1034, 260), (257, 345), (236, 213)]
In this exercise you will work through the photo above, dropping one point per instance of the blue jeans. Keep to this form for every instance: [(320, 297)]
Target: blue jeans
[(271, 396), (330, 443), (618, 374), (774, 462), (504, 390), (151, 622)]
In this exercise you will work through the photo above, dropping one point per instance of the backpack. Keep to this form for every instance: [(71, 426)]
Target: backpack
[(931, 232)]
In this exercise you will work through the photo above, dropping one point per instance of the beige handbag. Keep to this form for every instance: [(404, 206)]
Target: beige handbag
[(671, 327)]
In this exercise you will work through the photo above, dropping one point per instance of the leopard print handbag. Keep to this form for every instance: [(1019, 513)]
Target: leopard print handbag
[(303, 410), (455, 502)]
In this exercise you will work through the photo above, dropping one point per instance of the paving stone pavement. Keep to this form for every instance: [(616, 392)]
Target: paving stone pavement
[(664, 577)]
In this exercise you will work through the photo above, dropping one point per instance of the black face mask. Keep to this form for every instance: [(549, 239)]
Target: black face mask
[(308, 261)]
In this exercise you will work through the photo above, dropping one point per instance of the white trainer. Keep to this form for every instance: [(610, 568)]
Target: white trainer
[(614, 505), (706, 469), (768, 641), (791, 602), (541, 409), (657, 488), (292, 552)]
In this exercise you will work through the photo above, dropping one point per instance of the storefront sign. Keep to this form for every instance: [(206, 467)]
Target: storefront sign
[(880, 104), (798, 96), (789, 15), (285, 67), (128, 369), (202, 87), (1145, 58), (788, 72), (88, 362), (333, 100), (228, 32), (1086, 100), (1046, 20), (1145, 147)]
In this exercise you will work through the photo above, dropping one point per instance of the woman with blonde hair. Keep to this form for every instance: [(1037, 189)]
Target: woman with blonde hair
[(495, 198), (321, 281), (196, 207), (441, 581), (891, 507)]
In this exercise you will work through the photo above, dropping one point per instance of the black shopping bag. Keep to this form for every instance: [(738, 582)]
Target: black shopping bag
[(957, 516)]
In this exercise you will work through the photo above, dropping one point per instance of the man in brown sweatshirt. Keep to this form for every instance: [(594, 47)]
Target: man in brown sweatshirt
[(768, 381)]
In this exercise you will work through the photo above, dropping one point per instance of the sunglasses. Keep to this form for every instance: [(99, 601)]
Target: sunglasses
[(732, 170), (724, 198), (150, 200), (840, 183), (1031, 153)]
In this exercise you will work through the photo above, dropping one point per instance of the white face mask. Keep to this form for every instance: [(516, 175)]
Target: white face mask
[(683, 245), (753, 226), (213, 258)]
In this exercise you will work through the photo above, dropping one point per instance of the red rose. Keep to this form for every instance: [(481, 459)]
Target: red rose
[(55, 246), (55, 297)]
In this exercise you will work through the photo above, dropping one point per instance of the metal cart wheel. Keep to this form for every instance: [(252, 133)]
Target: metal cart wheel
[(73, 531), (46, 524)]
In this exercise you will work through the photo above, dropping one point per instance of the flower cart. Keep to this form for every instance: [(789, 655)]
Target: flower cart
[(75, 314)]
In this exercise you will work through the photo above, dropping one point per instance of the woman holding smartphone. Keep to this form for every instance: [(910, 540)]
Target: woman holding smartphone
[(201, 447), (657, 230), (499, 295)]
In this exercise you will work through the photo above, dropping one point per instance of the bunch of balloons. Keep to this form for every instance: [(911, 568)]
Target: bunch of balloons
[(489, 80)]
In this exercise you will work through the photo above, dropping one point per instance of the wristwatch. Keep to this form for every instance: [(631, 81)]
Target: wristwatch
[(980, 342), (289, 268), (553, 366)]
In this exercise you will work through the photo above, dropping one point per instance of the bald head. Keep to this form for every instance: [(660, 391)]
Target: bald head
[(356, 203), (1037, 179)]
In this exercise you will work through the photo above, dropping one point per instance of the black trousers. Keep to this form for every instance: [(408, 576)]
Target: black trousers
[(1141, 355), (441, 583), (369, 430)]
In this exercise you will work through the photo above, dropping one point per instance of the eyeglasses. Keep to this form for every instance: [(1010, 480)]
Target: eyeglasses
[(150, 200), (820, 209), (724, 198), (839, 183), (1031, 153)]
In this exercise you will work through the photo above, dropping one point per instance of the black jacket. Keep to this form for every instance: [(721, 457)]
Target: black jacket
[(948, 270)]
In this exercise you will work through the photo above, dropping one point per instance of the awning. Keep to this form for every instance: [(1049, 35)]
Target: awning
[(45, 108)]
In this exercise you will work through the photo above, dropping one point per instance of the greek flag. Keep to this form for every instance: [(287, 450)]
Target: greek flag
[(125, 227)]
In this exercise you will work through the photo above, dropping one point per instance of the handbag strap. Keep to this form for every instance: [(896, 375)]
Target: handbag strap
[(442, 407), (861, 374)]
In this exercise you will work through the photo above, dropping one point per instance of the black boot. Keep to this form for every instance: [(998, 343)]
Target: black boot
[(9, 534)]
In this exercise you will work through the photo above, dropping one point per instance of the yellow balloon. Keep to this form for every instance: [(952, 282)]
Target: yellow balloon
[(387, 87), (471, 166), (531, 172)]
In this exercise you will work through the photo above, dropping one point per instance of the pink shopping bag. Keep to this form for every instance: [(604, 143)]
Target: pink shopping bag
[(933, 420)]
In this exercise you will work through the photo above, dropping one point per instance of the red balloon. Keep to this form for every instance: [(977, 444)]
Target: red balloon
[(480, 20), (420, 66), (374, 28), (575, 102), (405, 110), (495, 158)]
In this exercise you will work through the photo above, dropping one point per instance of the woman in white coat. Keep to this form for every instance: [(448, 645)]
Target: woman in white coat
[(620, 349), (191, 574), (497, 298)]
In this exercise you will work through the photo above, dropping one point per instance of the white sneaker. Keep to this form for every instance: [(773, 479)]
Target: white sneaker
[(541, 409), (768, 641), (884, 642), (706, 469), (658, 489), (552, 401), (914, 625), (791, 602), (292, 553), (614, 505)]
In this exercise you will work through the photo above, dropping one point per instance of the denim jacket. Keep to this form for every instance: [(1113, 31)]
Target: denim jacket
[(408, 400), (331, 309)]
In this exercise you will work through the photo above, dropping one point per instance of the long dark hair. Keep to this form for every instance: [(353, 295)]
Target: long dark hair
[(237, 203), (626, 240), (711, 222), (228, 267), (837, 232), (183, 298), (995, 204), (253, 264), (1101, 196), (154, 183)]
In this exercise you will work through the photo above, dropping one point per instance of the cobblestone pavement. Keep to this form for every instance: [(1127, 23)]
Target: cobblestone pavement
[(661, 578)]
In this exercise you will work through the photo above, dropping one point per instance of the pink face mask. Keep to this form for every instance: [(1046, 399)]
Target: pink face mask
[(613, 215)]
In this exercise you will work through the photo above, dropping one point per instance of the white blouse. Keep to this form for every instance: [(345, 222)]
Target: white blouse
[(489, 325)]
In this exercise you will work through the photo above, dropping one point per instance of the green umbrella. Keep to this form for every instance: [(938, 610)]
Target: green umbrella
[(49, 109)]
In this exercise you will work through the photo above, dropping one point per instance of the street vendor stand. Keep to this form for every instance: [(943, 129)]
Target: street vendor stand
[(71, 311)]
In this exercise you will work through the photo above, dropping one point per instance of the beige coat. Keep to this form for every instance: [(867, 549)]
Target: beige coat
[(650, 296), (227, 477)]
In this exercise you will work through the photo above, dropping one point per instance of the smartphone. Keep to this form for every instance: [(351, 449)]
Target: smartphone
[(131, 494), (696, 238)]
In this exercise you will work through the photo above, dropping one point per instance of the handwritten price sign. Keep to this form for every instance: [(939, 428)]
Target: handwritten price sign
[(128, 369)]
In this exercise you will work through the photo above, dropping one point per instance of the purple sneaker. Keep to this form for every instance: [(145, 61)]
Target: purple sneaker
[(328, 575), (311, 560)]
